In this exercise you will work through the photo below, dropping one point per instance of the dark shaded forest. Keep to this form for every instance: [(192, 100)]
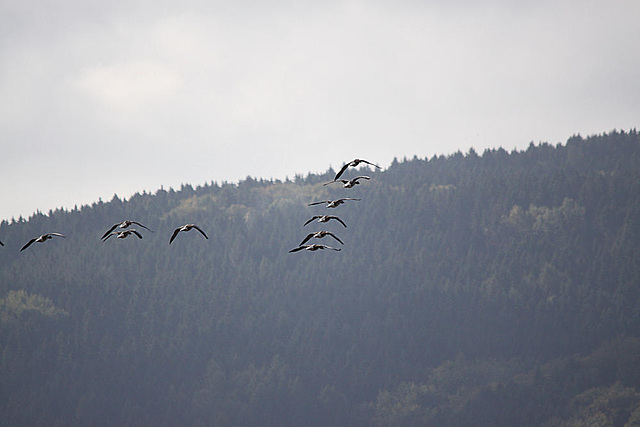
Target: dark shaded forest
[(499, 289)]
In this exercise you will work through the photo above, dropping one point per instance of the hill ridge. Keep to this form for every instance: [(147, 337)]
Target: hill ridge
[(471, 289)]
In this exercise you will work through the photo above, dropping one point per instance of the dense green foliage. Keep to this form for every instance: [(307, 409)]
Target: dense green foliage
[(493, 289)]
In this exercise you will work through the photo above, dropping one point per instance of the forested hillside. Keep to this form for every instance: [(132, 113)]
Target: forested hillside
[(492, 289)]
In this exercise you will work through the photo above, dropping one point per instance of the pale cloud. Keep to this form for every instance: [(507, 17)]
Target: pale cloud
[(20, 87), (131, 86)]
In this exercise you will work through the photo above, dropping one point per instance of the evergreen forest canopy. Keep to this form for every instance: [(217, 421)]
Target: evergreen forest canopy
[(493, 289)]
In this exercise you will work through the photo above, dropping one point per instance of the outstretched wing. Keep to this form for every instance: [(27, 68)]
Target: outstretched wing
[(1, 244), (104, 239), (201, 232), (28, 244), (335, 180), (137, 233), (105, 235), (310, 220), (306, 239), (341, 171), (320, 202), (329, 247), (369, 163), (55, 234), (175, 233), (360, 177), (299, 248), (338, 219), (335, 237), (141, 225)]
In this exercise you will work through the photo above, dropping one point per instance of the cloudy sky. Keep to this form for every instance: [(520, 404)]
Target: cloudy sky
[(115, 97)]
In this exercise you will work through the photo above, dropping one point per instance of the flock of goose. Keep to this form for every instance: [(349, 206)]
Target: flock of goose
[(126, 232), (122, 230), (346, 183)]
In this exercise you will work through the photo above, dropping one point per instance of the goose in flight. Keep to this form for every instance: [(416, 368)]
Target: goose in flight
[(123, 224), (313, 248), (186, 227), (122, 234), (319, 235), (325, 218), (353, 163), (41, 239), (348, 183), (333, 203)]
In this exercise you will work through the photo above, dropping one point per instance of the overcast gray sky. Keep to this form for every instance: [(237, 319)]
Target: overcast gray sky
[(104, 97)]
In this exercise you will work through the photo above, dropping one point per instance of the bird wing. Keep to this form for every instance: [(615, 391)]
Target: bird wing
[(369, 163), (201, 232), (141, 225), (335, 180), (137, 233), (1, 244), (320, 202), (310, 220), (360, 177), (335, 237), (351, 198), (338, 219), (55, 234), (104, 239), (306, 239), (175, 233), (110, 230), (341, 171), (299, 248), (28, 244), (328, 247)]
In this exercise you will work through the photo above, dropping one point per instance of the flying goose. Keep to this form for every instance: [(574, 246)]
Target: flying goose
[(346, 183), (186, 227), (353, 163), (325, 218), (124, 224), (122, 234), (333, 203), (41, 239), (319, 235), (312, 248)]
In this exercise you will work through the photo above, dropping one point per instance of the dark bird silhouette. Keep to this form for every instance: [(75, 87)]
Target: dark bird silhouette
[(325, 218), (313, 248), (319, 235), (186, 227), (353, 163), (122, 234), (41, 239), (123, 225), (333, 203), (1, 244), (348, 183)]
